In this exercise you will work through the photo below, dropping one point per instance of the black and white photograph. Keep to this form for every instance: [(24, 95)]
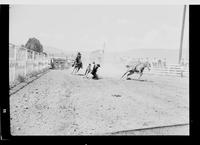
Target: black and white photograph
[(77, 70)]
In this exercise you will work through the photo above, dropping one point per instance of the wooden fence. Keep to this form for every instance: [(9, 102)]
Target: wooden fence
[(170, 70), (23, 62)]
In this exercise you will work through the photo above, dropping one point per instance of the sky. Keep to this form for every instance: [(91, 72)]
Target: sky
[(86, 28)]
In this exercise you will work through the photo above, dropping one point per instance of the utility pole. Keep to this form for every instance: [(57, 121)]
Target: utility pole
[(182, 33)]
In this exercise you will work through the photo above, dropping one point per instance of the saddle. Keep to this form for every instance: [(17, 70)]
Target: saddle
[(78, 64)]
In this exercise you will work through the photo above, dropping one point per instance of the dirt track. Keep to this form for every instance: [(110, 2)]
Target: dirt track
[(59, 103)]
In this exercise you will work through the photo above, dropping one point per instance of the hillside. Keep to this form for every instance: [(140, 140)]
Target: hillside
[(170, 55)]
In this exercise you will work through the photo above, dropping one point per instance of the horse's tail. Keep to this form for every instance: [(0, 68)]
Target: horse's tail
[(125, 73)]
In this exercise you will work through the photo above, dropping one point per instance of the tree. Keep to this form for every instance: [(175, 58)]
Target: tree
[(34, 44)]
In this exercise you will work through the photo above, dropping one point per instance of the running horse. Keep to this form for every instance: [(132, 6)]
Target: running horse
[(139, 68), (77, 65)]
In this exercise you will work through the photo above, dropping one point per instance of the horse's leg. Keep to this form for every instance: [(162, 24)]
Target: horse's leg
[(125, 73), (141, 73), (77, 69), (73, 70), (130, 73)]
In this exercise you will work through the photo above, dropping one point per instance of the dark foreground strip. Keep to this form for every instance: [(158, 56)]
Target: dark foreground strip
[(146, 129), (25, 84)]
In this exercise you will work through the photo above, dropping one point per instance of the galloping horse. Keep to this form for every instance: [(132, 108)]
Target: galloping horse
[(139, 68), (77, 63), (77, 67)]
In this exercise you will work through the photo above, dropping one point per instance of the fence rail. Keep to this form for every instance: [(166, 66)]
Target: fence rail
[(23, 62), (170, 70)]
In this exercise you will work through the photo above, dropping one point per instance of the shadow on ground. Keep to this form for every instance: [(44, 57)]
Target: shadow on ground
[(80, 74), (139, 80)]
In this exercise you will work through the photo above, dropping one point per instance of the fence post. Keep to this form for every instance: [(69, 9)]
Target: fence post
[(37, 61), (32, 61), (40, 55), (15, 60), (26, 58)]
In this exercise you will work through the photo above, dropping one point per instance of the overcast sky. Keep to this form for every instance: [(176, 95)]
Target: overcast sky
[(88, 27)]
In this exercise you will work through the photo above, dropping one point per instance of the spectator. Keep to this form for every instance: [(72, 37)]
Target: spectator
[(155, 62), (164, 62), (159, 63)]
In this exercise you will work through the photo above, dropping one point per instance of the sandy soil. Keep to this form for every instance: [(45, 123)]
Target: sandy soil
[(60, 103)]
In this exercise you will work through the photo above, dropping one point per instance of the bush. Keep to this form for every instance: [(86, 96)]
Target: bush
[(34, 73), (21, 78)]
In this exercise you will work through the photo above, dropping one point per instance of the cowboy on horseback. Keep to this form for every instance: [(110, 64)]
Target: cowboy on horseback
[(77, 63), (78, 59)]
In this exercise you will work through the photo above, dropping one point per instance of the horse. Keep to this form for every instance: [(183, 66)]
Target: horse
[(139, 68), (77, 66)]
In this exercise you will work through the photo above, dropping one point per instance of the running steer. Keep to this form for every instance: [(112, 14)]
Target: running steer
[(139, 68)]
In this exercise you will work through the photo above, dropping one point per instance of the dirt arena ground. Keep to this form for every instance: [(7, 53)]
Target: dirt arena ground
[(59, 103)]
